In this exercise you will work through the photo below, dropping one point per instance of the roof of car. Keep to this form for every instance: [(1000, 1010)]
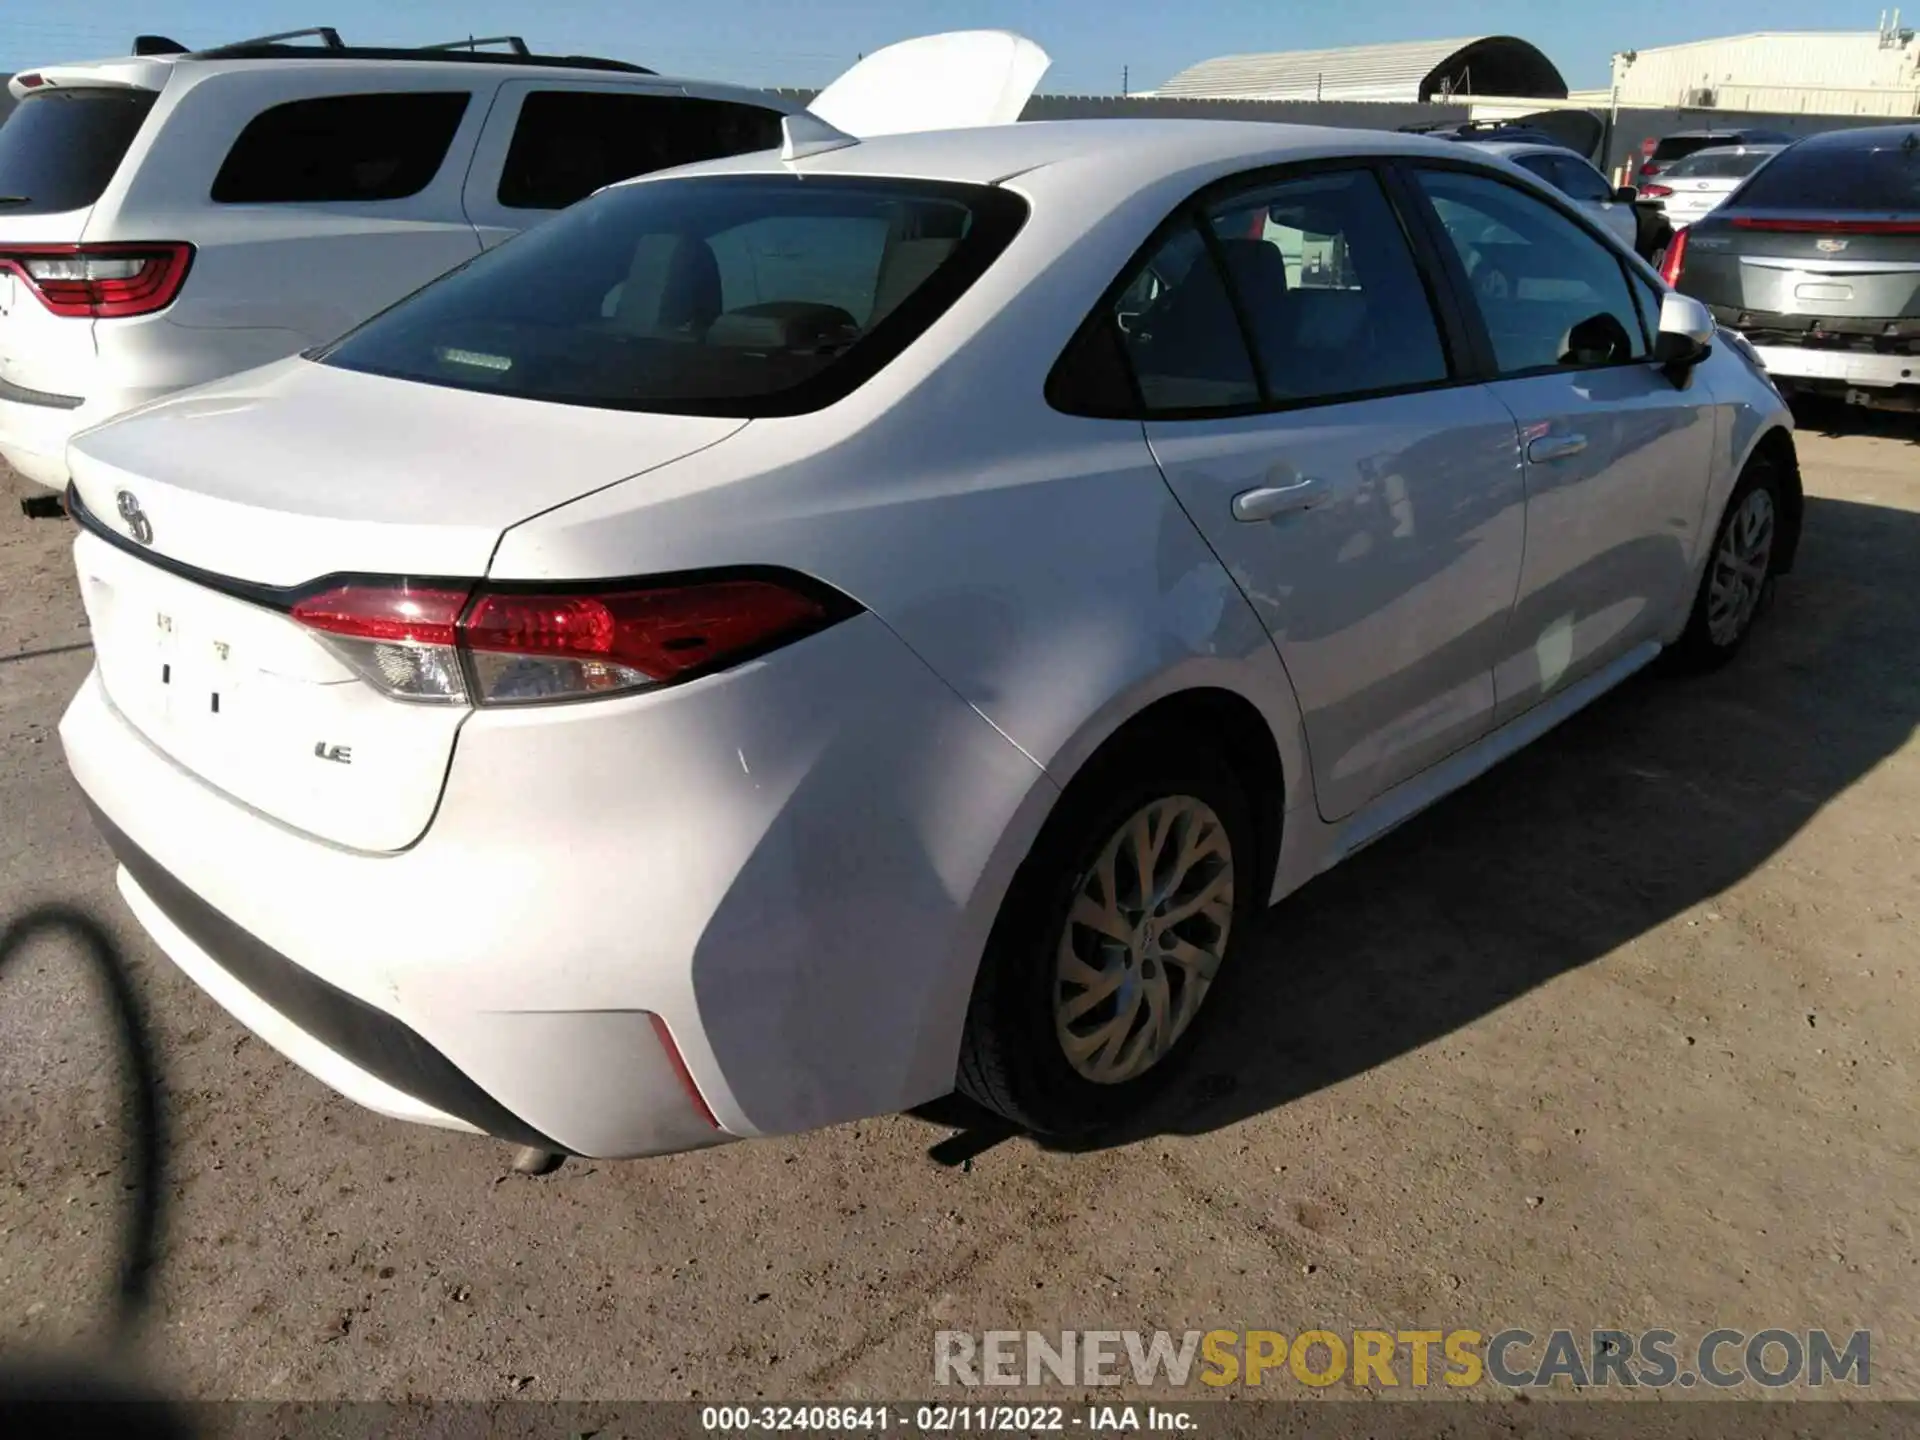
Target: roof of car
[(1866, 137), (151, 71), (1122, 152)]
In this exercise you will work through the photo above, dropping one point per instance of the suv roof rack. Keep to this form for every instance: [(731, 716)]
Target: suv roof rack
[(512, 42), (332, 47)]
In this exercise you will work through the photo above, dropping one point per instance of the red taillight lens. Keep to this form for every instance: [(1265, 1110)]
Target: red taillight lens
[(29, 82), (1827, 227), (400, 638), (1655, 192), (1647, 167), (509, 647), (545, 647), (105, 282), (1675, 258)]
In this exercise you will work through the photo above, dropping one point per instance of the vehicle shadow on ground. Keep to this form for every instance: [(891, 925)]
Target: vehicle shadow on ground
[(1832, 420), (1655, 799)]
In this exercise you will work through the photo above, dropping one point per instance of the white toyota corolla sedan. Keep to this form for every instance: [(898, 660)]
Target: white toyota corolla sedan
[(796, 636)]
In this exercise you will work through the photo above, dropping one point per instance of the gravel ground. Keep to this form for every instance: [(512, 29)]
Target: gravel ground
[(1622, 1036)]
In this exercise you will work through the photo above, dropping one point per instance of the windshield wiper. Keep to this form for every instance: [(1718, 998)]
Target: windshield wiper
[(15, 199)]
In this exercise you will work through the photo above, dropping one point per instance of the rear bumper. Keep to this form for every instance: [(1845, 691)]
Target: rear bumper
[(794, 866), (1841, 367), (311, 1019)]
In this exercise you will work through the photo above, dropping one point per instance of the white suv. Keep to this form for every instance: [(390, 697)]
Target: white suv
[(171, 218)]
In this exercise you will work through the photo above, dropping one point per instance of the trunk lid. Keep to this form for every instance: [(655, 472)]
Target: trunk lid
[(223, 504), (953, 81), (1845, 267)]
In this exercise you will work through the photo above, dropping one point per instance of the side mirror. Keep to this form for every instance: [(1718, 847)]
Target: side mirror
[(1686, 334), (1625, 195)]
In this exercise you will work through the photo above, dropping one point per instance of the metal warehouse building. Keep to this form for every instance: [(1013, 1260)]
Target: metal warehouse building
[(1859, 72), (1410, 73)]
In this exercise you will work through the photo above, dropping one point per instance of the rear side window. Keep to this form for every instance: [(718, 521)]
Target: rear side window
[(1839, 177), (60, 148), (341, 147), (721, 295), (569, 143)]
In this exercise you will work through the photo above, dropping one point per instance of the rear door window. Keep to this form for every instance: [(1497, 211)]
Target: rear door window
[(709, 295), (341, 147), (1837, 177), (1329, 288), (569, 143), (60, 148)]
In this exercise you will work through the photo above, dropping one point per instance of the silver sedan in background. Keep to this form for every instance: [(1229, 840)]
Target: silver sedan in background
[(1700, 182)]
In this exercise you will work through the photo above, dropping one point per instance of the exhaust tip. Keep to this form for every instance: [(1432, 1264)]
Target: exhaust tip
[(44, 507)]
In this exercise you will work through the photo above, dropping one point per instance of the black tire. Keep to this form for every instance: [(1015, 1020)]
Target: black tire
[(1012, 1059), (1698, 650)]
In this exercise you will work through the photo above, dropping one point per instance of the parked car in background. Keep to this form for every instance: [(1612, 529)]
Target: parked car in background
[(1696, 183), (1682, 143), (900, 612), (174, 216), (1579, 181), (1816, 260)]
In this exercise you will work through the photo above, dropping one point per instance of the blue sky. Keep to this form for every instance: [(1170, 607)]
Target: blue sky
[(808, 42)]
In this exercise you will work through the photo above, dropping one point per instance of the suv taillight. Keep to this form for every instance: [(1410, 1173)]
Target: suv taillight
[(1676, 257), (105, 282), (509, 646), (1655, 192)]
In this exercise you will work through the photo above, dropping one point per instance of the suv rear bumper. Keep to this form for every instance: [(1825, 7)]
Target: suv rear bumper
[(36, 425)]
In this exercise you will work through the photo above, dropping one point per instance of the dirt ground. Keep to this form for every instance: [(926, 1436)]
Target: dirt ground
[(1622, 1036)]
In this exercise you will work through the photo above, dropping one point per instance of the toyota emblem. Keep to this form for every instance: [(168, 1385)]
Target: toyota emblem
[(138, 525)]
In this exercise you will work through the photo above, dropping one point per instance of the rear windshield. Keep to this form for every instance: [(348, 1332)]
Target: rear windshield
[(59, 148), (716, 295), (1718, 165), (1676, 146), (1834, 177)]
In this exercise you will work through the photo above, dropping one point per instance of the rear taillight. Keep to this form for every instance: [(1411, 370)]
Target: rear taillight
[(1647, 167), (102, 281), (29, 82), (1655, 192), (1675, 259), (1826, 227), (506, 646)]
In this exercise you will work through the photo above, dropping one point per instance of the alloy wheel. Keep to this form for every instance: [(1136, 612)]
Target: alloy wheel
[(1144, 938), (1740, 564)]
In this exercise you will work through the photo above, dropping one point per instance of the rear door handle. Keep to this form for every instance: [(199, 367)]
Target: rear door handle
[(1555, 447), (1268, 501)]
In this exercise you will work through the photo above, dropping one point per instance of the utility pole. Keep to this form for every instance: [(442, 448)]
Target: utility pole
[(1126, 78)]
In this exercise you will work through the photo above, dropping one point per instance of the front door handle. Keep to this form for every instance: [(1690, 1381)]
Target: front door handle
[(1268, 501), (1555, 447)]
